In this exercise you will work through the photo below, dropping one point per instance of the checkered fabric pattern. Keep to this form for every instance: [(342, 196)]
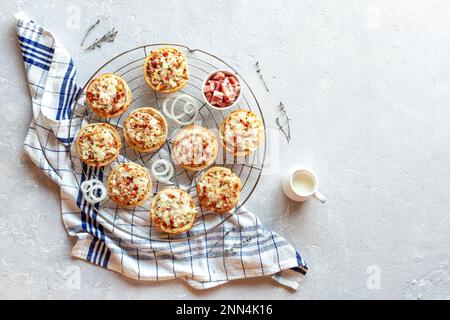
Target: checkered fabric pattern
[(203, 262)]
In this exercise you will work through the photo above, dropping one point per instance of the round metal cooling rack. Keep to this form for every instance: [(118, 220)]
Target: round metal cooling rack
[(136, 222)]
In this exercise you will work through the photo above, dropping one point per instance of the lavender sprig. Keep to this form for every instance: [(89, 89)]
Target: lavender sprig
[(237, 246), (89, 31), (107, 37), (288, 120), (222, 239), (282, 129), (258, 70)]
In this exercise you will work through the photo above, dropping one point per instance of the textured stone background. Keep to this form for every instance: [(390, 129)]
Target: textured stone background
[(367, 85)]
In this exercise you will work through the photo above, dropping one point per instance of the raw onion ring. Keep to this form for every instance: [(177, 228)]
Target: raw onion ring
[(164, 163), (89, 189), (188, 102), (93, 193), (87, 184), (164, 175), (169, 176)]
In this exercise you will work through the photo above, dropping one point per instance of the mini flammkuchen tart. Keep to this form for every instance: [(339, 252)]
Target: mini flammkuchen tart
[(129, 184), (195, 148), (173, 211), (145, 129), (98, 144), (242, 132), (108, 95), (218, 190), (166, 70)]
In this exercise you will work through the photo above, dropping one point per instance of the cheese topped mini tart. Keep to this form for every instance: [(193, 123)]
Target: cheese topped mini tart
[(242, 132), (129, 184), (98, 144), (108, 95), (145, 129), (195, 148), (173, 211), (166, 70), (218, 190)]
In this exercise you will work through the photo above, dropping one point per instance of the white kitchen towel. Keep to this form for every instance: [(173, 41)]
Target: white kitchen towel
[(240, 248)]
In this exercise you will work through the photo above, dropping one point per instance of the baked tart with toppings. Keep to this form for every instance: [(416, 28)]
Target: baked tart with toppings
[(98, 144), (145, 129), (218, 190), (195, 148), (108, 95), (166, 70), (129, 184), (173, 211), (242, 132)]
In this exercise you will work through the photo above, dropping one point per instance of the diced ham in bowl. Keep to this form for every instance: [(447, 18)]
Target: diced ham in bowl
[(221, 89)]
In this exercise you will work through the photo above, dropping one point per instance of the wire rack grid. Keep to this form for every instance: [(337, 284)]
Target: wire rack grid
[(136, 222)]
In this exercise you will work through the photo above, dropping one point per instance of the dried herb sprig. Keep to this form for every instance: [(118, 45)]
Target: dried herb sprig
[(222, 238), (288, 120), (110, 36), (258, 70), (237, 246), (282, 129), (89, 31)]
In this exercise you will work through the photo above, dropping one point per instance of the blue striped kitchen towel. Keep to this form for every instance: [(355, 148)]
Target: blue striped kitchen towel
[(240, 248)]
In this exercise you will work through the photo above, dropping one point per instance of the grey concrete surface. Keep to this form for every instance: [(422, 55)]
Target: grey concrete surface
[(367, 84)]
